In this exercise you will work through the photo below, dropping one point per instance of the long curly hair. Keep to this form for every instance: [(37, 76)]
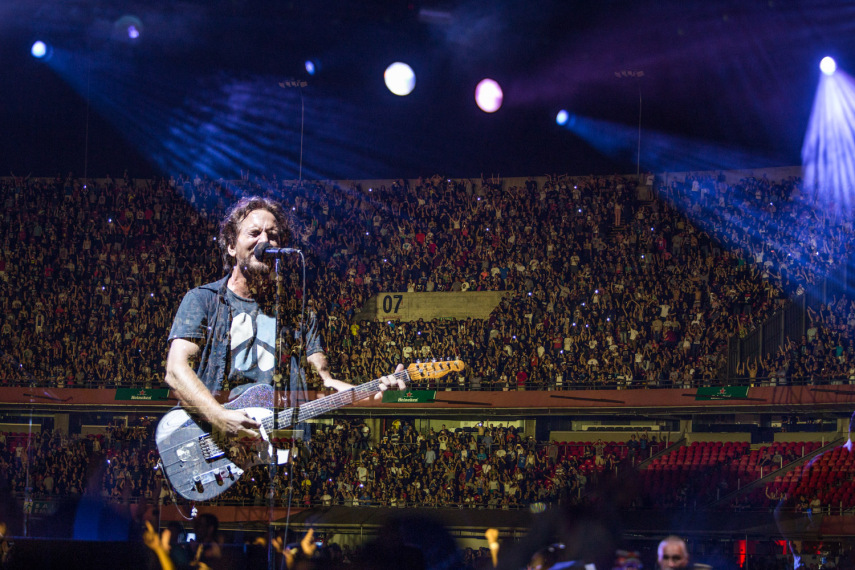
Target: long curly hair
[(237, 214)]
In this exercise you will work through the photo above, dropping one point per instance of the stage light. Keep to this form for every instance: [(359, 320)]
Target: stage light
[(311, 68), (39, 49), (488, 96), (127, 28), (562, 117), (400, 79), (828, 66)]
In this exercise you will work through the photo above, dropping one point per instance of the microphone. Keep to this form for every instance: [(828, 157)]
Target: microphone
[(266, 251)]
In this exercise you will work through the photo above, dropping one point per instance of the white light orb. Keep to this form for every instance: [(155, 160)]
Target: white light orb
[(828, 66), (39, 49), (488, 96), (400, 79)]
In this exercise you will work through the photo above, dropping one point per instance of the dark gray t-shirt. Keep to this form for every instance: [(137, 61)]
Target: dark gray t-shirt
[(238, 342), (238, 338)]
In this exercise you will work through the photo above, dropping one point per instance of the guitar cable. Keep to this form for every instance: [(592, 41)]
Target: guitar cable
[(193, 511)]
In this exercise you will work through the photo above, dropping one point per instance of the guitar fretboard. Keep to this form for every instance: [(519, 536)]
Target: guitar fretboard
[(309, 410)]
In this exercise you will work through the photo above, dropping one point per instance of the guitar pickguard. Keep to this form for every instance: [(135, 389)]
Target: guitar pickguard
[(201, 464)]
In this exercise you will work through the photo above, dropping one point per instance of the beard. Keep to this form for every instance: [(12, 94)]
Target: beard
[(258, 274), (252, 268)]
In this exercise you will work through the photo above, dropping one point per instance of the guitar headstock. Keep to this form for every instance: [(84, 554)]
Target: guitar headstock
[(425, 370)]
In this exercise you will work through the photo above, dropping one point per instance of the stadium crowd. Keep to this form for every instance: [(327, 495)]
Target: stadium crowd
[(492, 467), (52, 464), (792, 243), (603, 288), (489, 468)]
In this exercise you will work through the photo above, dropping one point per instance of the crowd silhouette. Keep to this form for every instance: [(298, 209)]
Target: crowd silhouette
[(605, 286)]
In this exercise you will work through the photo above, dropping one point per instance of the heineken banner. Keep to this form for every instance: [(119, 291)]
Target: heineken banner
[(142, 393), (722, 393), (409, 396), (40, 507)]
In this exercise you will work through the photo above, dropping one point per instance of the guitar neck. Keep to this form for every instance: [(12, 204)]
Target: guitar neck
[(309, 410)]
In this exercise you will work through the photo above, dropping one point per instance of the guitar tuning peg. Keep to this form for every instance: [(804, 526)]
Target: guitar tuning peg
[(418, 361), (433, 360)]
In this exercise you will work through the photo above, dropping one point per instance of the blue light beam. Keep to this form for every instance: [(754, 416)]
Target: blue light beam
[(660, 152), (828, 151), (227, 124)]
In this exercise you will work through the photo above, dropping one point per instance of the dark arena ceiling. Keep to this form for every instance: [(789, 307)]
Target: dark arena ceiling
[(194, 86)]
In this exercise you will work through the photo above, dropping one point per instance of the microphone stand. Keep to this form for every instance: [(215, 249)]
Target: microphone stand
[(274, 455), (288, 401)]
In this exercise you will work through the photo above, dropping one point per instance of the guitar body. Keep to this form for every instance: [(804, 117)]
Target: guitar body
[(200, 465)]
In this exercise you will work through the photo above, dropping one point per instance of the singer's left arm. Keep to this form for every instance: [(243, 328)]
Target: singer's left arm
[(316, 356), (318, 360)]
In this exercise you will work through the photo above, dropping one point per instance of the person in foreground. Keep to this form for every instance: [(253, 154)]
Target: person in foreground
[(228, 328), (673, 553)]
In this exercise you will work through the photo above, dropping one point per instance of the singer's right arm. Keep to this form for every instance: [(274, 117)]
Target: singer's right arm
[(195, 397)]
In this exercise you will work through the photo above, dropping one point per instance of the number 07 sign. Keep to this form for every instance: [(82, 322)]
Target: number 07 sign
[(437, 305)]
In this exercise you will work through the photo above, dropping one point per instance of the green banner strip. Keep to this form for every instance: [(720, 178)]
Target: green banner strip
[(142, 393), (409, 396), (722, 393)]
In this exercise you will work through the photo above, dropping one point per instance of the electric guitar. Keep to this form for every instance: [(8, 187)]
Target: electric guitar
[(200, 464)]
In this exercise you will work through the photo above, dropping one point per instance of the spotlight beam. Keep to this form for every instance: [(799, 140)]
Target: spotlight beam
[(828, 151)]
